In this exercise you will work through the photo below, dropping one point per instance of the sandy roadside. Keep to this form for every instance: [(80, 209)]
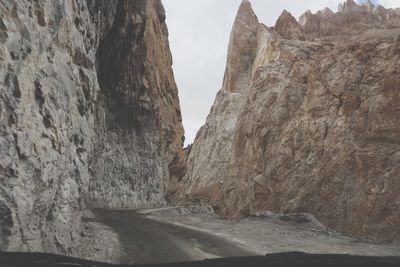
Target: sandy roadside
[(272, 233), (263, 234), (98, 242)]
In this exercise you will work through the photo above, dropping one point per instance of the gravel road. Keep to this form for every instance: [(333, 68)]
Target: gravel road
[(145, 240), (189, 233)]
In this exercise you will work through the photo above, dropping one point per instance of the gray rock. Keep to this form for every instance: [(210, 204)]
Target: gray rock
[(89, 115)]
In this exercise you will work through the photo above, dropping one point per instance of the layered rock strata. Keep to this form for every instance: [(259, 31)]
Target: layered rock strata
[(89, 114), (312, 123)]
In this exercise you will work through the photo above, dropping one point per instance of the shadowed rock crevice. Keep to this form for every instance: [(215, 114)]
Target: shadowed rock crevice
[(3, 31), (136, 132), (6, 224), (120, 64)]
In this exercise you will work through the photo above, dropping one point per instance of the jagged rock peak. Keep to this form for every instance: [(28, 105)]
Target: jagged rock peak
[(245, 6), (242, 48), (303, 19), (369, 4), (348, 5), (288, 27), (326, 11), (350, 19), (246, 12), (221, 122)]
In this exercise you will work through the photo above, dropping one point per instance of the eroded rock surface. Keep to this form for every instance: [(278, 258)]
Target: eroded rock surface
[(317, 128), (89, 113), (206, 163)]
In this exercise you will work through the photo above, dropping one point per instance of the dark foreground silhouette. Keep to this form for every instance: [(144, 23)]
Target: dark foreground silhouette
[(14, 259)]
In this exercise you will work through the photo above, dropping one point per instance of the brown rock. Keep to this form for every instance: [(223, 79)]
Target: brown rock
[(350, 20), (209, 157), (318, 127), (288, 27), (242, 49)]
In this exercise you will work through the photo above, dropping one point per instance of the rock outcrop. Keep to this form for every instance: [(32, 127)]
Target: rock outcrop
[(352, 19), (89, 115), (288, 27), (207, 161), (314, 128)]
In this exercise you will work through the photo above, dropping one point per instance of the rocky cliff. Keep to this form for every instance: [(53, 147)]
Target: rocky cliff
[(309, 123), (207, 161), (89, 115)]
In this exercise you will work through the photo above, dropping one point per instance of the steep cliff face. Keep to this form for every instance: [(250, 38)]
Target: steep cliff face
[(206, 163), (89, 114), (138, 129), (318, 129)]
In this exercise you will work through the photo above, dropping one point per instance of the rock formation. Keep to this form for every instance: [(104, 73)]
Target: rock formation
[(288, 27), (314, 128), (89, 115), (206, 163)]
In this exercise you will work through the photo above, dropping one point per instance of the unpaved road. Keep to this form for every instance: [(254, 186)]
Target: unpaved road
[(270, 233), (148, 241)]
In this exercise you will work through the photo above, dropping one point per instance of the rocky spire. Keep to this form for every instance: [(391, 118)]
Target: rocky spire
[(303, 19), (242, 48), (369, 3), (327, 11), (288, 27), (347, 6)]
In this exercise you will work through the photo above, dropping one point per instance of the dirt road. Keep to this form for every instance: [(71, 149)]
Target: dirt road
[(147, 241)]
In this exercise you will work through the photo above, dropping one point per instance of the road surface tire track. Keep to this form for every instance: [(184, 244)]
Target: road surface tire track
[(148, 241)]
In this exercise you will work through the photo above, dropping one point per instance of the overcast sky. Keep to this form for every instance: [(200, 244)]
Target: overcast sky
[(199, 34)]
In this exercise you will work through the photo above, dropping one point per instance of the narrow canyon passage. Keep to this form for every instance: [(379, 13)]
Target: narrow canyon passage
[(299, 152), (147, 241)]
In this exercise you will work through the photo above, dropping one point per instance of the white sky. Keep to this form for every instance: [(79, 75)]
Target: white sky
[(199, 34)]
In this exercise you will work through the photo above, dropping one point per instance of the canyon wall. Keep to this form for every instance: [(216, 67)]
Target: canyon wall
[(89, 115), (310, 123), (207, 160)]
